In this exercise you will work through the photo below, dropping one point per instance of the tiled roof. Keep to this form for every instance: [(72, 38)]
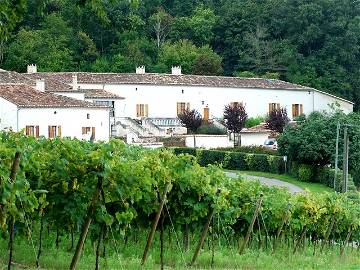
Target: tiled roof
[(256, 129), (98, 93), (25, 96), (14, 77), (168, 79), (51, 84)]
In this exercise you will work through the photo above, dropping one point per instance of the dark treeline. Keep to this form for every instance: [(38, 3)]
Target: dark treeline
[(310, 42)]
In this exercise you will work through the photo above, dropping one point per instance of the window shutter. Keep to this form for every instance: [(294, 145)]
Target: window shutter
[(93, 132), (59, 131), (270, 107), (146, 110), (37, 131), (83, 130), (278, 106), (137, 110), (188, 106), (178, 108), (50, 132), (301, 109), (293, 110)]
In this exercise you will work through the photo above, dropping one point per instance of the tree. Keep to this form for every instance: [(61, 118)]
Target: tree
[(235, 117), (277, 119), (191, 119), (161, 22)]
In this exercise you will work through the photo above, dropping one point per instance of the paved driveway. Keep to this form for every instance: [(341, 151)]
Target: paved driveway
[(268, 181)]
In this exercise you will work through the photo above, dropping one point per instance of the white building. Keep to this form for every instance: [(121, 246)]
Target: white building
[(166, 95), (39, 113)]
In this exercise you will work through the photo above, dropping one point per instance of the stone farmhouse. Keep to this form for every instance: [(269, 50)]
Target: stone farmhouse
[(143, 105)]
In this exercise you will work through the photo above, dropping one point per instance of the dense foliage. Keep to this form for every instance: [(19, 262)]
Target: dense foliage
[(313, 140), (57, 179), (313, 43), (277, 119)]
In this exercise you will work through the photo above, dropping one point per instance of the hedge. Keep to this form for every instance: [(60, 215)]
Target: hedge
[(236, 160)]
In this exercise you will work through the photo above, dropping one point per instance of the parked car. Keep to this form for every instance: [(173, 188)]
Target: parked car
[(271, 143)]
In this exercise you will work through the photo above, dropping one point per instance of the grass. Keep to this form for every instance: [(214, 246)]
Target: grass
[(313, 187), (128, 256)]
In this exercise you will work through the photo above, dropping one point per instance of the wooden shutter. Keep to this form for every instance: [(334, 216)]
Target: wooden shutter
[(83, 130), (138, 109), (278, 106), (206, 114), (301, 109), (37, 131), (270, 107), (93, 133), (188, 106), (50, 134), (146, 114), (293, 110), (59, 131), (178, 108)]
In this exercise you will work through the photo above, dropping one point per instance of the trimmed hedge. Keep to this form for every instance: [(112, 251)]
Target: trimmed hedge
[(236, 160)]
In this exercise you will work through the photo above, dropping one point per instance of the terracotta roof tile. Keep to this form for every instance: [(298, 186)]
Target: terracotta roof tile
[(98, 93), (168, 79), (26, 96), (51, 84)]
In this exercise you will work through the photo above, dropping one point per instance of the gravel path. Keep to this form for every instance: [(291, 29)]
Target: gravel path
[(268, 181)]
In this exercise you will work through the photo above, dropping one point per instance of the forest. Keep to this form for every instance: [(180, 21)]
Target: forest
[(313, 43)]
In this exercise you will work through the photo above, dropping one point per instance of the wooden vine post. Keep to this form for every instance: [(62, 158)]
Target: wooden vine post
[(87, 223), (328, 232), (14, 167), (154, 224), (348, 236), (280, 229), (203, 233), (251, 226)]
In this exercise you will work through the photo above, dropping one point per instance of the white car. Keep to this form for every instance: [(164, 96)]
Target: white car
[(271, 143)]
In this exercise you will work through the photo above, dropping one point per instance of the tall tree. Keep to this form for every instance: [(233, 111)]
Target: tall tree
[(277, 120), (161, 22)]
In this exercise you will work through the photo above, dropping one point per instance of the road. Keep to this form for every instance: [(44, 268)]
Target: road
[(268, 181)]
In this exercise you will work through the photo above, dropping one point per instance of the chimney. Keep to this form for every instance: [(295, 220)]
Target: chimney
[(74, 82), (140, 70), (176, 70), (32, 68), (40, 85)]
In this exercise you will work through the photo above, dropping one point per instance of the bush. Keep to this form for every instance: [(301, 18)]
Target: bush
[(185, 150), (206, 157), (294, 169), (237, 161), (211, 129), (257, 162), (305, 173), (251, 149), (276, 164), (254, 121)]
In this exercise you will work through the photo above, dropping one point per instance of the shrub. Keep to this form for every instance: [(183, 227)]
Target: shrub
[(305, 173), (206, 157), (254, 121), (237, 161), (294, 169), (257, 162), (251, 149), (185, 150), (276, 164), (211, 129)]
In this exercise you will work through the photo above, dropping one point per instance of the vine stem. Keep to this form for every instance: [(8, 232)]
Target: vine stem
[(154, 225), (13, 172)]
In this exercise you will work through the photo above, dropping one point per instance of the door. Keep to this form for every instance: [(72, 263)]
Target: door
[(206, 114)]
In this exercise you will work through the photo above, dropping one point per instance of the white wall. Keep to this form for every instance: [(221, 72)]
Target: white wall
[(8, 115), (322, 100), (162, 99), (208, 141), (71, 121), (248, 139)]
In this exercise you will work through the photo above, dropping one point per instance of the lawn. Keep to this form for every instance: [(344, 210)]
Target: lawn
[(313, 187)]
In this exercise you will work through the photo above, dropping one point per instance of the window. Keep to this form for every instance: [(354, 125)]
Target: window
[(142, 110), (88, 130), (88, 116), (54, 131), (181, 107), (297, 109), (273, 106), (102, 102), (32, 131), (236, 103)]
